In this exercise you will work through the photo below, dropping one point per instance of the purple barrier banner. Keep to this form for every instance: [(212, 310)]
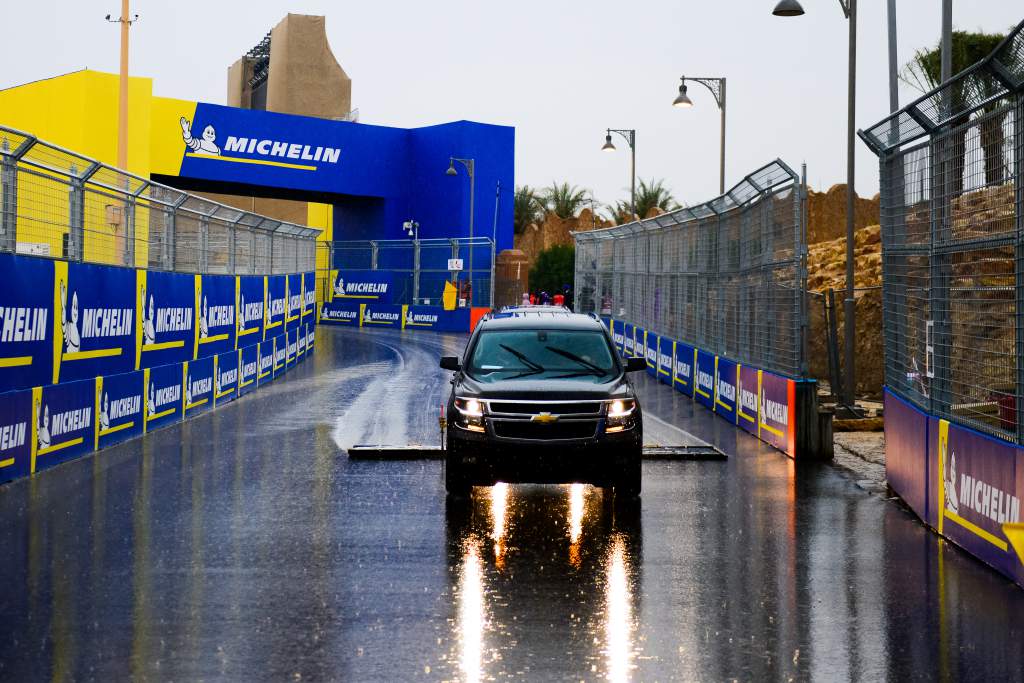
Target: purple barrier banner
[(274, 307), (906, 454), (683, 373), (629, 344), (248, 359), (15, 434), (777, 420), (198, 385), (976, 492), (26, 322), (163, 404), (216, 300), (250, 309), (225, 377), (748, 388), (618, 335), (167, 313), (118, 408), (265, 369), (666, 354), (725, 388), (293, 301), (704, 389), (94, 321), (64, 427)]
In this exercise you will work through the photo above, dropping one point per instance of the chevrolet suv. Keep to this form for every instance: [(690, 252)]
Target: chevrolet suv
[(542, 396)]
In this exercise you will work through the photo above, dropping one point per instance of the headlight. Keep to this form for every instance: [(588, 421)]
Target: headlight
[(470, 414), (621, 407)]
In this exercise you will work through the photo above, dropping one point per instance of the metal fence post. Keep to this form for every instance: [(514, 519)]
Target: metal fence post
[(8, 198), (1018, 166), (204, 244), (76, 216)]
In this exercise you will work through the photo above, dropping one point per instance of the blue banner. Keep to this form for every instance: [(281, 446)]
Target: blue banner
[(118, 407), (310, 338), (651, 353), (165, 310), (163, 404), (437, 319), (198, 385), (94, 321), (293, 301), (280, 355), (665, 360), (15, 434), (216, 303), (225, 377), (248, 360), (291, 341), (274, 306), (300, 343), (704, 389), (381, 315), (340, 313), (725, 388), (683, 372), (362, 286), (639, 341), (26, 322), (629, 343), (308, 296), (618, 335), (63, 426), (265, 370), (250, 309)]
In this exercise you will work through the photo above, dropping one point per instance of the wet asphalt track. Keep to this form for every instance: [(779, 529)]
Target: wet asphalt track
[(244, 546)]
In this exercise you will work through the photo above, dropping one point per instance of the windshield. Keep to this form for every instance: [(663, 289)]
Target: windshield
[(564, 354)]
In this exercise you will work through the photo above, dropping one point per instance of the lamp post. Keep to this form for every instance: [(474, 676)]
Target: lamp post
[(630, 136), (792, 8), (717, 88), (470, 165), (412, 228)]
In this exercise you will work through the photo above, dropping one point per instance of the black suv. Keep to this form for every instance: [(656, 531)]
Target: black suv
[(542, 397)]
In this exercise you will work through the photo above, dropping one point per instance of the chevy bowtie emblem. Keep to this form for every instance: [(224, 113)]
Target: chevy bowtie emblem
[(544, 418)]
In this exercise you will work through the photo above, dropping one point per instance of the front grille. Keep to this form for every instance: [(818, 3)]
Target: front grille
[(520, 429), (555, 408)]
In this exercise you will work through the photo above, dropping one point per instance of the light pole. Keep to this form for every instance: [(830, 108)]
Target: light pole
[(470, 165), (792, 8), (717, 88), (630, 135), (412, 228)]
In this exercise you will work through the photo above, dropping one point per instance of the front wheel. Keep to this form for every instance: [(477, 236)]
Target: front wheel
[(628, 481), (456, 482)]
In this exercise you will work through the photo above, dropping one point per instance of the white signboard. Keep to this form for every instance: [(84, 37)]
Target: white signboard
[(454, 264)]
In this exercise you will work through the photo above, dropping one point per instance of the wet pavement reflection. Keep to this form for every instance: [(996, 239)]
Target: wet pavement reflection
[(244, 545)]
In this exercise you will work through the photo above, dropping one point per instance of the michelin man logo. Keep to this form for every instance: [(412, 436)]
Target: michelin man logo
[(367, 314), (952, 503), (339, 286), (69, 328), (149, 320), (188, 390), (42, 426), (105, 413), (409, 319), (204, 144), (151, 402), (204, 330), (240, 314)]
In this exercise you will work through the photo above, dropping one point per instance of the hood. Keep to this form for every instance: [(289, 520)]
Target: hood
[(545, 389)]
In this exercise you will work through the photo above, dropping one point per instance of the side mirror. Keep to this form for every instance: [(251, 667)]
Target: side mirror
[(451, 363), (635, 364)]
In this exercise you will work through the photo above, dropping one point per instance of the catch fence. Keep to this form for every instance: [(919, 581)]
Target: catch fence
[(728, 276), (419, 268), (952, 210), (57, 203)]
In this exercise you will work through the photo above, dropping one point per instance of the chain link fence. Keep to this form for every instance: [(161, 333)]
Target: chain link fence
[(419, 268), (728, 276), (60, 204), (953, 245)]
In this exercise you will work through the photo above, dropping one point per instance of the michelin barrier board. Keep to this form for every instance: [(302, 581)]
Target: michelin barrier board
[(759, 402), (92, 355), (394, 316), (964, 484), (362, 286)]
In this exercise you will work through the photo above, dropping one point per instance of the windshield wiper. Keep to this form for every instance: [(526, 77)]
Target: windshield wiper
[(582, 361), (522, 357), (582, 373)]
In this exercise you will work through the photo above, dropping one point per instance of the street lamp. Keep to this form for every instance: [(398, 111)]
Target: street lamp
[(630, 136), (412, 228), (792, 8), (717, 88), (470, 165)]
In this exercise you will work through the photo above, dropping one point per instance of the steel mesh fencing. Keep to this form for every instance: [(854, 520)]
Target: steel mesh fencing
[(60, 204), (728, 276), (952, 211)]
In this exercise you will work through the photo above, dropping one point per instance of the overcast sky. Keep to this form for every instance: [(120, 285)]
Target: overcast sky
[(560, 72)]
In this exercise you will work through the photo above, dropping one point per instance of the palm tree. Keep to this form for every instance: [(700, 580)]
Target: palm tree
[(563, 200), (527, 208), (653, 194), (924, 72)]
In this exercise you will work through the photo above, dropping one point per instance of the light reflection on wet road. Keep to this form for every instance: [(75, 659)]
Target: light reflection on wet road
[(244, 546)]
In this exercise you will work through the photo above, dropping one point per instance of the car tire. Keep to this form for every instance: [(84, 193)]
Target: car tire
[(628, 482), (456, 482)]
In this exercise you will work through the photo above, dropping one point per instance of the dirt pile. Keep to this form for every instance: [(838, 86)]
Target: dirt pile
[(826, 213), (554, 230)]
